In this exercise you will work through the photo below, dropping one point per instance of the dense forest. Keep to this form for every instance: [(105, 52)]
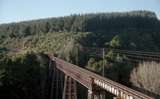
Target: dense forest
[(130, 26), (66, 36)]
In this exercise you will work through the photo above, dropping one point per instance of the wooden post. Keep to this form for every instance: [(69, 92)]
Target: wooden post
[(103, 71)]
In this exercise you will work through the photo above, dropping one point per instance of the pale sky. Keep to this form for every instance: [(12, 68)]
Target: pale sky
[(20, 10)]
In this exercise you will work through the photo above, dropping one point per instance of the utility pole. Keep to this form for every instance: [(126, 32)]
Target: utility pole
[(77, 56), (103, 62), (103, 73)]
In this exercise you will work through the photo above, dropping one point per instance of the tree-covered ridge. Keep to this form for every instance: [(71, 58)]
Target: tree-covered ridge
[(138, 30), (134, 20)]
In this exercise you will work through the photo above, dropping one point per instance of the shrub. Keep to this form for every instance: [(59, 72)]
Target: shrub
[(147, 76)]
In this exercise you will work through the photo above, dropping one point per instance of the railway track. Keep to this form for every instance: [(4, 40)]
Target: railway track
[(135, 55), (150, 56)]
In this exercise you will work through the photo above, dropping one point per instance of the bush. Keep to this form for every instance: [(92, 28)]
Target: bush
[(24, 76), (147, 76)]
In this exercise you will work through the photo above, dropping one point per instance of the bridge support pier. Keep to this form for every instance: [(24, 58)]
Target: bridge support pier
[(90, 94), (95, 95), (70, 90)]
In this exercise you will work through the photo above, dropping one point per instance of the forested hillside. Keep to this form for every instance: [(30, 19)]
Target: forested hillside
[(137, 29), (135, 20), (65, 37)]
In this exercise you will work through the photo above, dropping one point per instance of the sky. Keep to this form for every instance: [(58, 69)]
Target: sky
[(22, 10)]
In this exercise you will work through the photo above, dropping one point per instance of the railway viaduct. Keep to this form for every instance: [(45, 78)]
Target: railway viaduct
[(95, 83)]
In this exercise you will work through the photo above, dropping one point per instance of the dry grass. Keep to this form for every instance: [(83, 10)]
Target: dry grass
[(147, 76)]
